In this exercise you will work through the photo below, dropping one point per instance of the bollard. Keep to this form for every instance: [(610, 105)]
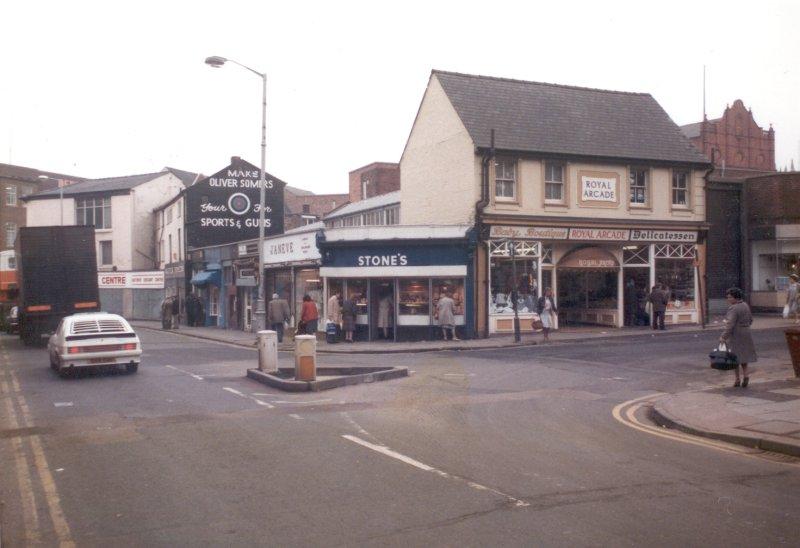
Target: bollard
[(305, 358), (793, 342), (268, 350)]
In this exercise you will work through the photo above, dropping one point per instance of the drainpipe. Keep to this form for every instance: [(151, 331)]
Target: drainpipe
[(479, 206)]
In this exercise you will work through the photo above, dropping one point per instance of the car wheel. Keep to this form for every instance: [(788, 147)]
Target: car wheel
[(63, 372), (53, 364), (132, 368)]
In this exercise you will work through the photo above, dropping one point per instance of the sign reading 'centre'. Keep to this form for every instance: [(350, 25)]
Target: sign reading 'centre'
[(226, 207)]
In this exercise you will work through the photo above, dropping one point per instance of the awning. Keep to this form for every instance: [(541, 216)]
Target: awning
[(205, 277), (589, 257), (213, 266)]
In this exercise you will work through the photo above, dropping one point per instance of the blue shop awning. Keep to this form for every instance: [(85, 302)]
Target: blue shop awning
[(207, 277)]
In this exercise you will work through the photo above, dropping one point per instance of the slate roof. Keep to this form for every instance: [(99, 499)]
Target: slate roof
[(297, 191), (187, 177), (381, 200), (109, 184), (693, 130), (558, 119), (31, 175)]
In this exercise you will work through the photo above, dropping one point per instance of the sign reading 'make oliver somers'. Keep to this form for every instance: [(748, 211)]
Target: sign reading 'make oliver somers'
[(225, 207)]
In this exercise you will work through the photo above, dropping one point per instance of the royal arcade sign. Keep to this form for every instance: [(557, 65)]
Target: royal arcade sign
[(225, 207), (593, 234)]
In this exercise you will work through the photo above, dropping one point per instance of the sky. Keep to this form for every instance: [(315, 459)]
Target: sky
[(100, 89)]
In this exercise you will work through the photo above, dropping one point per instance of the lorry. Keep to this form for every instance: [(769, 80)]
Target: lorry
[(57, 277)]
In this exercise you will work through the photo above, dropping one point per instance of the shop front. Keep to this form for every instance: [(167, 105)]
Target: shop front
[(774, 256), (599, 276), (396, 277)]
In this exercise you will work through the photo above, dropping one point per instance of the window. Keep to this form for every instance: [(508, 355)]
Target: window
[(306, 208), (352, 220), (393, 215), (414, 298), (638, 186), (553, 182), (180, 254), (11, 195), (169, 215), (373, 218), (170, 257), (12, 263), (680, 188), (179, 206), (93, 212), (106, 257), (11, 234), (505, 179)]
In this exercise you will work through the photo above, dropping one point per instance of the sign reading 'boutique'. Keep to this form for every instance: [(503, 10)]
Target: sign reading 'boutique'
[(225, 207)]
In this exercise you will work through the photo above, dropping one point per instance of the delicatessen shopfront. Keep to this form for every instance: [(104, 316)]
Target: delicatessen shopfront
[(598, 275), (396, 276)]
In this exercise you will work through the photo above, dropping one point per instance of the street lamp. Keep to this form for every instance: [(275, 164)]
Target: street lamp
[(216, 61), (60, 194)]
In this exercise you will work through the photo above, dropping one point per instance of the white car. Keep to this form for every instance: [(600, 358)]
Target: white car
[(94, 339)]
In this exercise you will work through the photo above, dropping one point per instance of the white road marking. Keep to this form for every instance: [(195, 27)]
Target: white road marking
[(298, 417), (459, 374), (310, 401), (242, 395), (234, 391), (197, 377), (382, 449), (62, 404)]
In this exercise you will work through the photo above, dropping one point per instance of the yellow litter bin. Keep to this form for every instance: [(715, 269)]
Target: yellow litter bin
[(305, 358)]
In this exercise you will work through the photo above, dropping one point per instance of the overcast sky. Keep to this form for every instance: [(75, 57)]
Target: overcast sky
[(101, 89)]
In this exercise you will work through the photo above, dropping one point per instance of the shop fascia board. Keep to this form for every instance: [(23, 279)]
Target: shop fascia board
[(593, 222), (396, 232)]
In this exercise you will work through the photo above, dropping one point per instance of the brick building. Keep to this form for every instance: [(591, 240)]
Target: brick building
[(16, 182), (302, 207), (373, 180), (739, 149)]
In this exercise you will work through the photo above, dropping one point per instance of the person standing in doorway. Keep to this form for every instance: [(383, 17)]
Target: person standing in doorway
[(737, 334), (190, 310), (175, 310), (547, 312), (278, 313), (631, 302), (793, 298), (658, 299), (349, 312), (445, 312), (309, 315), (385, 309), (334, 310)]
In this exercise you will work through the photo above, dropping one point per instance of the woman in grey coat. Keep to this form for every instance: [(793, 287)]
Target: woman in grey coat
[(737, 334)]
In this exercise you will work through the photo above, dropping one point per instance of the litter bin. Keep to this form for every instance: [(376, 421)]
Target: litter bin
[(332, 333), (793, 342)]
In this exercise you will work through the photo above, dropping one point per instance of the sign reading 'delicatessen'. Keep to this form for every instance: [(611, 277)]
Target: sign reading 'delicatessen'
[(225, 207), (131, 280), (593, 234), (598, 189), (298, 247)]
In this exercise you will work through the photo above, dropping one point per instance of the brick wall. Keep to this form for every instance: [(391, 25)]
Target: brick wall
[(773, 199), (317, 205), (381, 178), (737, 140)]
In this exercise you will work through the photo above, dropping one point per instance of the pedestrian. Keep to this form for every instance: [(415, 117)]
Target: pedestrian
[(190, 309), (737, 336), (278, 313), (175, 310), (658, 299), (631, 302), (165, 313), (793, 298), (349, 312), (309, 315), (334, 310), (385, 309), (445, 312), (548, 312)]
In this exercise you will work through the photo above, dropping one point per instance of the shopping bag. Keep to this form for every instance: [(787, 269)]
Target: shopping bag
[(722, 358), (536, 322), (786, 311)]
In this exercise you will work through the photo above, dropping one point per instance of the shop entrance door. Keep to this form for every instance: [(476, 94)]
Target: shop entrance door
[(381, 310), (587, 297), (634, 296), (247, 311)]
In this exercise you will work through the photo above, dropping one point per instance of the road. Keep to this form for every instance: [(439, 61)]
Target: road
[(512, 447)]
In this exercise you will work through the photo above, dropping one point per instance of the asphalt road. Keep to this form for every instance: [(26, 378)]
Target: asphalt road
[(510, 447)]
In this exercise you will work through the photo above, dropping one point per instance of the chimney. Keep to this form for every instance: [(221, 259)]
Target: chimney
[(235, 159)]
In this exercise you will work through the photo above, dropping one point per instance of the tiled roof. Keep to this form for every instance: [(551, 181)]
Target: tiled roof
[(382, 200), (558, 119), (735, 175), (30, 174), (693, 130)]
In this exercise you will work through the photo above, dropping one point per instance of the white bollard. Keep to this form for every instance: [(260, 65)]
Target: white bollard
[(305, 357), (268, 350)]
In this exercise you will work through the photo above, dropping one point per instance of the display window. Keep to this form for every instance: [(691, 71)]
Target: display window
[(503, 283), (584, 289), (357, 291), (414, 297), (455, 287), (308, 283), (677, 277)]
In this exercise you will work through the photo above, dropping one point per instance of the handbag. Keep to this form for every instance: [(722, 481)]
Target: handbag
[(536, 322), (723, 359)]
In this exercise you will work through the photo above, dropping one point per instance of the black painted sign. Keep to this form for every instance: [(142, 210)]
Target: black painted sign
[(225, 207)]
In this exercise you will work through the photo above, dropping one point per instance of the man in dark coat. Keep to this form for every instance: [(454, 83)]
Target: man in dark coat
[(658, 298)]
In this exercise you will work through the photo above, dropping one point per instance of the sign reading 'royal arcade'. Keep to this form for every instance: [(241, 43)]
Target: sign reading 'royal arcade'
[(225, 207)]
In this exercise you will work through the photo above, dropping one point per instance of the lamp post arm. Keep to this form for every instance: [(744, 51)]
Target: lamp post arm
[(262, 75)]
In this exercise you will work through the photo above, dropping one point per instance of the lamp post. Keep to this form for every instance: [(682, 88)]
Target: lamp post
[(216, 62), (60, 195)]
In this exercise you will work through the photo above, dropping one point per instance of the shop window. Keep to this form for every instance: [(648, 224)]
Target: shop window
[(11, 195), (106, 254), (93, 212), (638, 181), (505, 179), (335, 287), (213, 300), (774, 270), (503, 284), (636, 255), (11, 234), (677, 276), (455, 287), (680, 188), (585, 289), (309, 283), (414, 298), (553, 182), (547, 254)]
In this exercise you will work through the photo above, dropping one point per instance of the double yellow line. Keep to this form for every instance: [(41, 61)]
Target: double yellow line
[(19, 416)]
